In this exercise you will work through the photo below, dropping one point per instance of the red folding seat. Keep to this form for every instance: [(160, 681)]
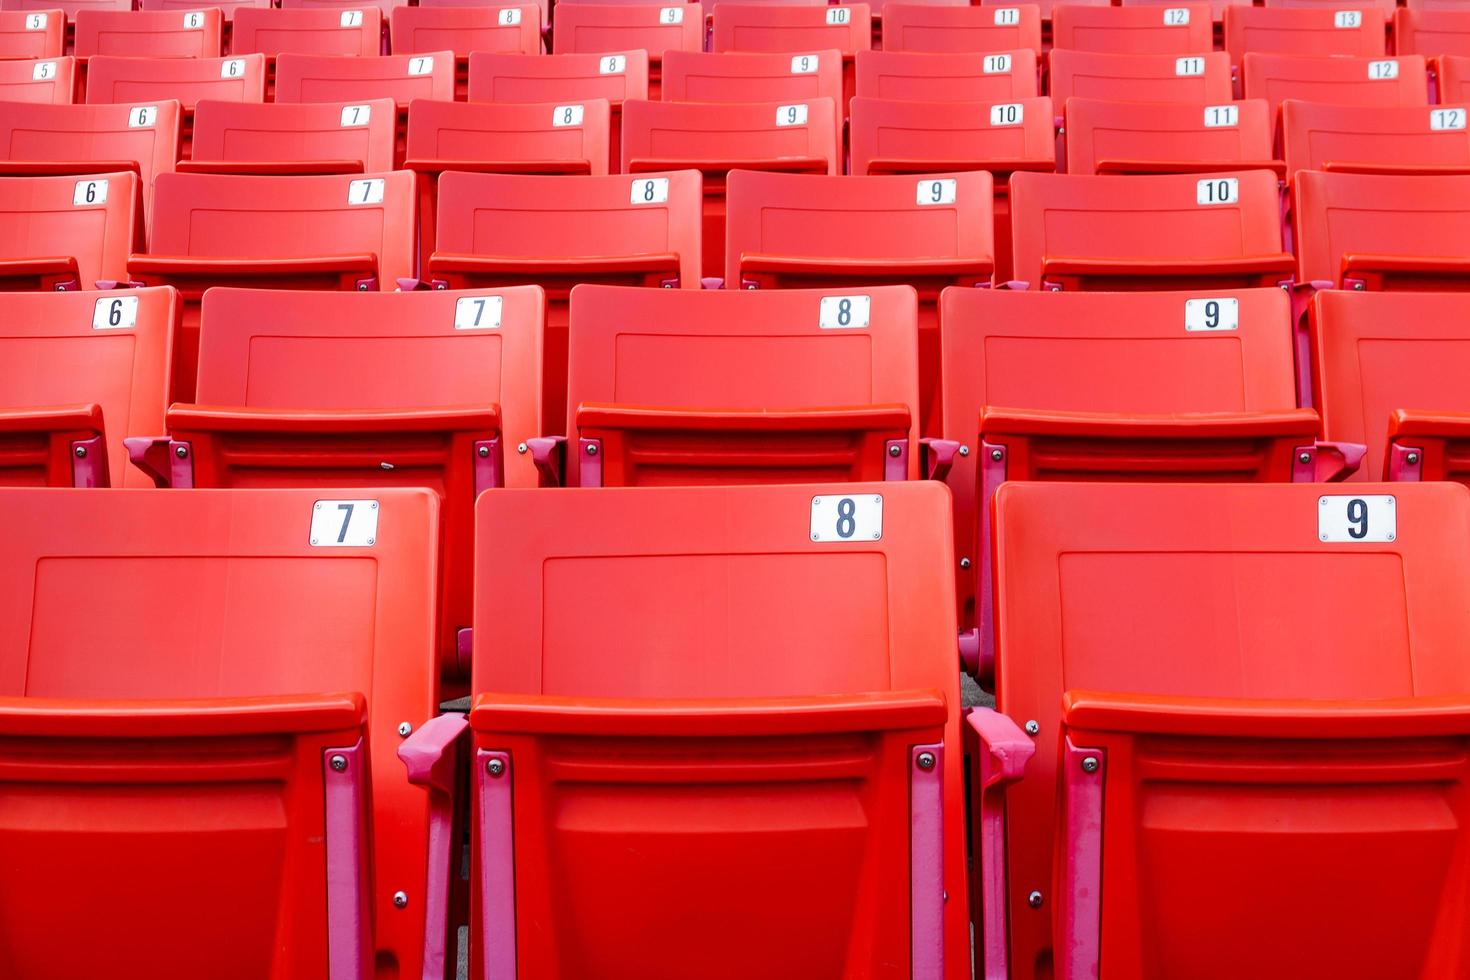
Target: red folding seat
[(1182, 29), (792, 30), (67, 232), (225, 7), (69, 10), (1374, 139), (1194, 79), (231, 759), (149, 33), (699, 76), (291, 138), (890, 136), (79, 372), (1337, 81), (1047, 6), (928, 232), (1148, 386), (558, 231), (1169, 231), (1318, 720), (1453, 76), (932, 28), (563, 79), (1217, 7), (784, 713), (804, 385), (1432, 32), (1358, 32), (500, 137), (52, 81), (1434, 4), (544, 5), (385, 7), (1001, 76), (717, 137), (1143, 138), (427, 390), (1386, 6), (321, 232), (142, 80), (588, 28), (32, 34), (463, 30), (313, 31)]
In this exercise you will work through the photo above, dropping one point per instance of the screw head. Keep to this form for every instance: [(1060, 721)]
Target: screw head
[(591, 449), (400, 900), (895, 451), (1032, 728), (81, 452), (181, 451), (925, 761), (1089, 764), (339, 763), (1034, 900), (964, 450), (964, 563), (362, 287), (483, 451), (1304, 458), (997, 455), (404, 729), (1412, 459), (1360, 285), (495, 767), (522, 448)]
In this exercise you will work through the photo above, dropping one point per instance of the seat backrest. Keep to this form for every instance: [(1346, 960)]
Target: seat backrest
[(109, 348), (1338, 81), (895, 136), (717, 136), (513, 30), (149, 33), (32, 33), (1137, 137), (1182, 29), (386, 7), (400, 77), (757, 27), (1321, 136), (1147, 231), (1217, 7), (1195, 79), (589, 28), (308, 31), (1453, 74), (51, 80), (699, 76), (69, 7), (931, 28), (1432, 32), (1101, 585), (236, 643), (227, 216), (999, 76), (1375, 353), (1045, 6), (293, 138), (233, 79), (1387, 6), (544, 5), (68, 231), (749, 608), (558, 78), (1382, 231), (225, 7), (509, 137), (1356, 31)]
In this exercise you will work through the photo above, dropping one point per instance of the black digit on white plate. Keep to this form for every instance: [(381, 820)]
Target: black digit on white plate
[(1222, 115), (1176, 16), (115, 313), (1007, 114), (35, 22), (193, 20), (351, 18), (613, 64), (232, 68), (1212, 313), (1189, 66), (1357, 518), (1347, 19), (510, 16), (996, 64), (847, 518), (368, 191), (671, 15), (936, 191), (791, 115), (344, 523), (1446, 119), (89, 192), (649, 190), (356, 115), (844, 312), (1217, 190), (44, 71), (838, 15), (1007, 16), (420, 66), (567, 115), (477, 312), (1382, 70), (142, 116), (803, 64)]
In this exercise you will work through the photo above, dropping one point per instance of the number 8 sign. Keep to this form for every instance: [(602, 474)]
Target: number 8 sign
[(858, 517)]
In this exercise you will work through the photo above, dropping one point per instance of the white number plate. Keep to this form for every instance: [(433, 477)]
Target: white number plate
[(356, 115), (1007, 16), (365, 191), (1383, 70), (344, 523), (1176, 16), (44, 71), (509, 16), (839, 15), (936, 191), (613, 64), (115, 313), (1185, 67), (1222, 313), (651, 190), (1446, 119), (420, 66), (1347, 19), (790, 115), (1217, 190), (843, 312), (1222, 115), (855, 518), (142, 116), (671, 15), (567, 115), (996, 64), (1009, 114), (477, 312), (36, 22), (89, 192), (1357, 519), (351, 18), (804, 64), (193, 20), (232, 68)]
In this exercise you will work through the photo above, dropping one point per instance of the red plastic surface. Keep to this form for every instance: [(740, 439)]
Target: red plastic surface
[(779, 29), (1217, 7), (226, 7), (1304, 32), (1199, 79), (1373, 139), (61, 350), (699, 76), (287, 138), (466, 29), (135, 80), (1432, 32), (589, 28), (1001, 76), (934, 28), (308, 31), (400, 77), (1181, 29), (747, 681), (1453, 75), (896, 136), (69, 7), (1142, 138), (51, 81), (1339, 80), (32, 34), (1046, 6), (150, 33), (51, 238)]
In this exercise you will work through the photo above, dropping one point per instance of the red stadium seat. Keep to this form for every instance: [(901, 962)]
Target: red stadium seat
[(1356, 31), (1432, 32), (1217, 7), (1374, 231), (1143, 138), (717, 137), (68, 8), (234, 749), (784, 710), (737, 386), (587, 28), (1047, 6), (288, 138), (562, 79), (427, 390), (837, 232), (32, 33), (1316, 722), (699, 76), (558, 231), (313, 31), (225, 7), (463, 30), (932, 28), (385, 7), (67, 232), (322, 232), (1149, 386), (791, 30), (1387, 6), (1194, 79), (79, 372), (1453, 76), (1374, 139), (1181, 29), (149, 34), (1001, 76), (1390, 371), (143, 80), (51, 81), (1338, 81), (1169, 231), (545, 6)]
